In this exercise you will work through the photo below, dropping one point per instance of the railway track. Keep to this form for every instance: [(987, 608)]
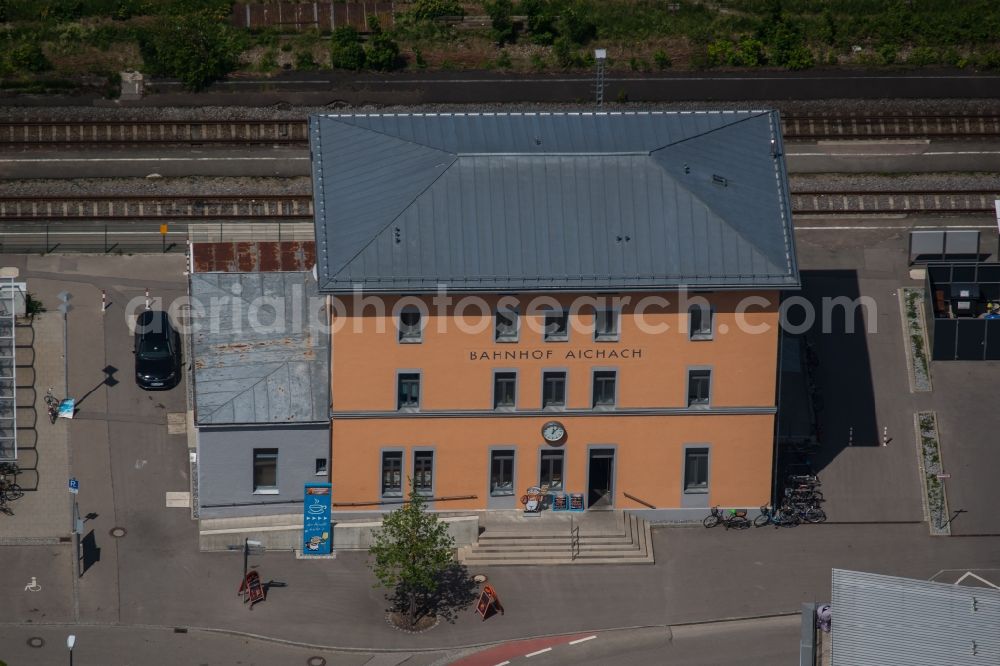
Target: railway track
[(874, 203), (295, 132), (291, 208), (109, 209)]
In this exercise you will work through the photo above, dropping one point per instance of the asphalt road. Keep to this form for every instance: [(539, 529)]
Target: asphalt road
[(891, 156), (481, 87)]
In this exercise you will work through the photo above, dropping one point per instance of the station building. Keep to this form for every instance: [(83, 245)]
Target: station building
[(585, 302)]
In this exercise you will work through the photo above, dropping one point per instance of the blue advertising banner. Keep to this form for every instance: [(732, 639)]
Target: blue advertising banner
[(316, 519)]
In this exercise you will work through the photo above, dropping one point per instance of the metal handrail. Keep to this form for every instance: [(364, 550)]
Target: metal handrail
[(636, 499)]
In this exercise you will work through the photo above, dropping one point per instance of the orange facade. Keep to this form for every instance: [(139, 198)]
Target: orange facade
[(647, 437)]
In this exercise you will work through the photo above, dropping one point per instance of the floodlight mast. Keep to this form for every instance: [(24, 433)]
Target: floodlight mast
[(600, 58)]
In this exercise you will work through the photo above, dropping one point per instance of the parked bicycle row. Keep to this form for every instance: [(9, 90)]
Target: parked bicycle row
[(9, 490), (788, 514)]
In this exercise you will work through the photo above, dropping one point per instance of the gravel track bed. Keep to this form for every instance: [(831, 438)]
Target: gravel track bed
[(302, 185), (918, 182), (189, 186), (282, 111)]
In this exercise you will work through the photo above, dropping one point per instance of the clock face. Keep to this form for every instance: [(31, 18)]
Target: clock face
[(553, 431)]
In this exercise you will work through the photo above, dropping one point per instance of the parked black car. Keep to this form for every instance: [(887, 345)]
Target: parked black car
[(157, 351)]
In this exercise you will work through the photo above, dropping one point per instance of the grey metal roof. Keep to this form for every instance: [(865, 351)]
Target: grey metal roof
[(880, 620), (538, 201), (250, 366)]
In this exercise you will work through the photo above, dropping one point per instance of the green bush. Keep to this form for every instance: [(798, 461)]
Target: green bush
[(887, 54), (500, 13), (538, 61), (382, 53), (922, 56), (424, 10), (662, 60), (346, 51), (540, 20), (576, 24), (748, 53), (800, 58), (503, 60), (28, 56), (268, 61), (197, 49), (418, 58), (719, 52), (304, 60)]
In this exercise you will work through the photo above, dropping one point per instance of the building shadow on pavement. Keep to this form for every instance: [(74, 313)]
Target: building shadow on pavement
[(843, 375)]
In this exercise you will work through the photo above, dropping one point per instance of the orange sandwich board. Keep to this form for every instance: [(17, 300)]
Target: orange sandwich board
[(488, 601)]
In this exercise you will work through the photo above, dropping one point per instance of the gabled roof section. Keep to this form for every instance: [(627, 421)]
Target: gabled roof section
[(259, 357), (536, 202)]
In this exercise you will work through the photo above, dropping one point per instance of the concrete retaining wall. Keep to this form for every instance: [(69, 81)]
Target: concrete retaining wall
[(282, 532)]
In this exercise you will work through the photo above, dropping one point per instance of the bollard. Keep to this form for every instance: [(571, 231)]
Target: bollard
[(104, 301), (147, 298)]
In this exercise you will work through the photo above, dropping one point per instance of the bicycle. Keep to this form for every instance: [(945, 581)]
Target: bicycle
[(803, 495), (777, 516), (9, 469), (806, 513), (731, 518), (52, 405), (10, 492)]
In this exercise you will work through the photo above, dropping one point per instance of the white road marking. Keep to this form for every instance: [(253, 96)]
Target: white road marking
[(151, 159), (542, 651), (980, 579), (503, 663), (583, 640)]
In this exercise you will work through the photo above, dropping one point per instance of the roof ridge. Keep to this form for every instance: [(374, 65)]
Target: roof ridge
[(391, 136), (758, 114), (345, 265)]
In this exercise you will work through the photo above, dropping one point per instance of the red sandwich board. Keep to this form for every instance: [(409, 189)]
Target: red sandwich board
[(254, 587)]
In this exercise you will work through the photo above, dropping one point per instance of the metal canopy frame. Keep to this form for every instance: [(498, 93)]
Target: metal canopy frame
[(8, 370)]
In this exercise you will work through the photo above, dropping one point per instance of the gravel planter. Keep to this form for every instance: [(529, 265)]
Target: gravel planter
[(911, 300), (929, 455)]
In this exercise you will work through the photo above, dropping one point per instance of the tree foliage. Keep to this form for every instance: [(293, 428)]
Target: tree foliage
[(346, 51), (501, 14), (196, 48), (382, 52), (411, 552)]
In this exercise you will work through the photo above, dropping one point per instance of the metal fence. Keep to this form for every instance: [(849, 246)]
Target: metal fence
[(324, 16), (141, 237)]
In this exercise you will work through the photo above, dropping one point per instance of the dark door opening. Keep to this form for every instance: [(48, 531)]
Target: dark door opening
[(600, 493)]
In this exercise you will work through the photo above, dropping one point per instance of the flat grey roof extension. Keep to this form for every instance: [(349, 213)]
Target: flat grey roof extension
[(257, 359), (482, 202)]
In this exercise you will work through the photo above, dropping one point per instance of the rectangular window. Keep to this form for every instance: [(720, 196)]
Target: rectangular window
[(699, 382), (605, 326), (423, 472), (265, 471), (392, 473), (321, 468), (696, 471), (556, 326), (410, 329), (604, 388), (553, 389), (552, 470), (700, 322), (506, 326), (501, 473), (504, 390), (409, 391)]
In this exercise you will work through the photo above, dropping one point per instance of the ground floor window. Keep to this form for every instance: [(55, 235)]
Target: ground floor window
[(392, 473), (265, 471), (502, 473), (423, 472), (696, 470), (552, 470)]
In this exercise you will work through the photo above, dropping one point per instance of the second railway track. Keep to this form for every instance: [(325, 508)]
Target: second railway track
[(293, 208), (36, 134)]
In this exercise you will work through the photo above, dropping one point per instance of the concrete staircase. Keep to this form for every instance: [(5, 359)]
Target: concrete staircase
[(606, 537)]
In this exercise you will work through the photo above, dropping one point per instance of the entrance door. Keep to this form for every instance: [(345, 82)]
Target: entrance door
[(600, 493)]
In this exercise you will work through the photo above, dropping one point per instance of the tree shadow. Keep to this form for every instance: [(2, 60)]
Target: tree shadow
[(456, 592)]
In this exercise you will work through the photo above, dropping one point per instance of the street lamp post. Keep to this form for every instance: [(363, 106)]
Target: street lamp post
[(70, 642)]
